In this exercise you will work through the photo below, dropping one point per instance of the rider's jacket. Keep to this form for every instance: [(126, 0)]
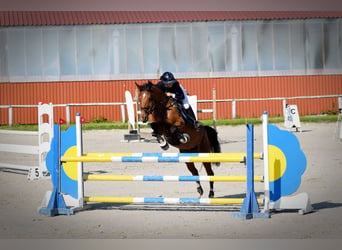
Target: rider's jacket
[(176, 89)]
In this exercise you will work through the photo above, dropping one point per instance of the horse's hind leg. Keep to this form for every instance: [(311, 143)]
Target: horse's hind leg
[(194, 172), (210, 172)]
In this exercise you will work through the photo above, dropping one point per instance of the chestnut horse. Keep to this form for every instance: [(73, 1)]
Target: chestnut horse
[(173, 129)]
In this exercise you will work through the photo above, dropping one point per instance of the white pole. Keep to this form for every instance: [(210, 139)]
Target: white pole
[(214, 107), (234, 109), (284, 111), (123, 116), (79, 146), (10, 116), (265, 156), (67, 114)]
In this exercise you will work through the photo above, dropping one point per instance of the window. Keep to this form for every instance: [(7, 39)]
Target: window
[(313, 44), (67, 51), (16, 52), (297, 40), (249, 46), (281, 46), (133, 49), (116, 51), (150, 49), (33, 45), (195, 49), (216, 47), (233, 46), (167, 49), (265, 45), (3, 58), (100, 51), (183, 48), (50, 53), (199, 45), (84, 51), (331, 40)]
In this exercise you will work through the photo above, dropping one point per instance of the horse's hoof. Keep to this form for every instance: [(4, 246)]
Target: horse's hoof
[(163, 143), (165, 146), (200, 191), (211, 194)]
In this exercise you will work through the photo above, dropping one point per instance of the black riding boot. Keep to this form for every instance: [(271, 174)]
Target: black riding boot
[(190, 113)]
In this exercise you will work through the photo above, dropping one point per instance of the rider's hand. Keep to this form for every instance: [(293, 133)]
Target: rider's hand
[(170, 94)]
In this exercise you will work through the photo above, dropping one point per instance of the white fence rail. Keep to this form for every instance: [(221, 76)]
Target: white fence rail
[(122, 104), (44, 137)]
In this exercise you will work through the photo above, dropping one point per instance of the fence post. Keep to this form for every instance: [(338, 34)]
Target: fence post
[(123, 114), (67, 113), (10, 115), (214, 108), (284, 106), (234, 109)]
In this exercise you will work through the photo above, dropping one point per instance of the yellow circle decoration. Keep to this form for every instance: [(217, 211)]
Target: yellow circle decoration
[(276, 163), (70, 168)]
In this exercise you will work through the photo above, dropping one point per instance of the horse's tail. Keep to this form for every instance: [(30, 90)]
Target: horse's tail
[(215, 146)]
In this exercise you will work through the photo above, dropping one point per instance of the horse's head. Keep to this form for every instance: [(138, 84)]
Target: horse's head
[(146, 100)]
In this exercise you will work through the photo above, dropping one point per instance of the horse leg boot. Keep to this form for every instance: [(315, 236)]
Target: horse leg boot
[(191, 167), (155, 132)]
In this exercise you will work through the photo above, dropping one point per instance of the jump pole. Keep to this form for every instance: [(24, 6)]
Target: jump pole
[(160, 157), (185, 178)]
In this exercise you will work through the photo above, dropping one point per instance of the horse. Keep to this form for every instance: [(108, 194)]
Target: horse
[(167, 117)]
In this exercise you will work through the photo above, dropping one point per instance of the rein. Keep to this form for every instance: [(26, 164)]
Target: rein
[(150, 109)]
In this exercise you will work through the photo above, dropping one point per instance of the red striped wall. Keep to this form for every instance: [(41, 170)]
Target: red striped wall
[(226, 88)]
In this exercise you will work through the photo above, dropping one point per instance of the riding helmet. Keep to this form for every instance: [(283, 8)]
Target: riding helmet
[(168, 78)]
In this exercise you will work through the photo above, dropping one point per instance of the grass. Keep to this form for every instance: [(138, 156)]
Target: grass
[(221, 122)]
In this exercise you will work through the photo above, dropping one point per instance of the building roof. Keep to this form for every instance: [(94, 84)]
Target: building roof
[(38, 18)]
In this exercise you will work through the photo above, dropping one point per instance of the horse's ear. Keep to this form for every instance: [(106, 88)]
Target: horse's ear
[(138, 86), (150, 85)]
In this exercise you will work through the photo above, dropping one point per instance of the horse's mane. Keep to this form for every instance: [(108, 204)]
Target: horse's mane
[(147, 86)]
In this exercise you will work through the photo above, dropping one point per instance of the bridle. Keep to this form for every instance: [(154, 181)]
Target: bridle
[(150, 109)]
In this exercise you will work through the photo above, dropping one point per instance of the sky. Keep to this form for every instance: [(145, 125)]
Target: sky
[(169, 5)]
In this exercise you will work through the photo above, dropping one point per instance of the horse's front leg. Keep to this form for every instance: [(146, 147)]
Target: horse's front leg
[(210, 172), (157, 133), (194, 172)]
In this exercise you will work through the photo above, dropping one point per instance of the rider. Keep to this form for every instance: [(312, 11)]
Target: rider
[(173, 88)]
